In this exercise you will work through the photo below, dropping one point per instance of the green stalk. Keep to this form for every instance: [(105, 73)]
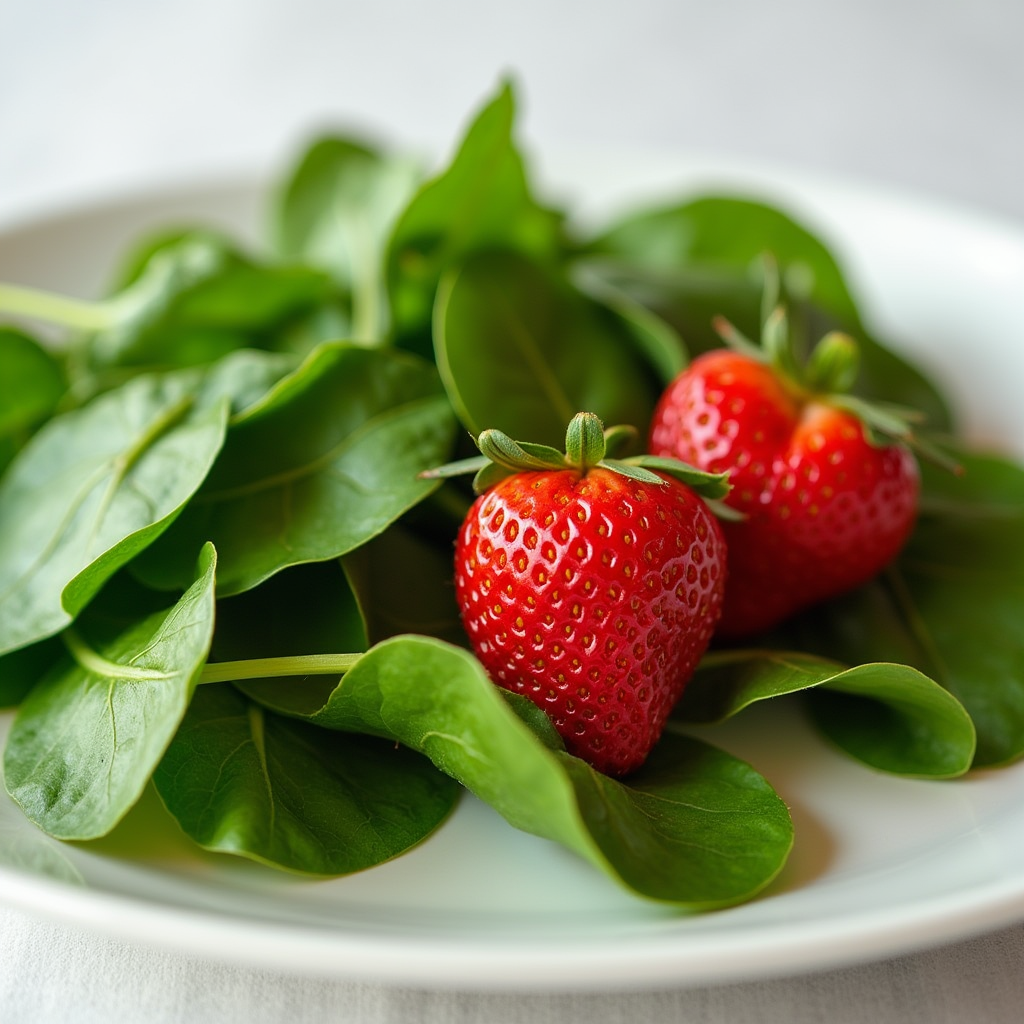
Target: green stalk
[(269, 668), (36, 304), (367, 288)]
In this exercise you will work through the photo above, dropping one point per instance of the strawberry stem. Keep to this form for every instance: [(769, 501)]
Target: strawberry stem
[(833, 364), (585, 444)]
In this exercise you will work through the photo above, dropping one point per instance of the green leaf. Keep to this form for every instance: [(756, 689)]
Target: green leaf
[(30, 852), (324, 463), (87, 739), (403, 583), (889, 716), (241, 780), (31, 384), (336, 212), (192, 297), (694, 827), (22, 669), (306, 609), (521, 351), (733, 235), (952, 603), (653, 337), (482, 200), (92, 489), (703, 258), (242, 379)]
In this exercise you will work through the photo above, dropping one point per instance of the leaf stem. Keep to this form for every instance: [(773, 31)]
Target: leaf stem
[(367, 289), (269, 668), (95, 663), (36, 304)]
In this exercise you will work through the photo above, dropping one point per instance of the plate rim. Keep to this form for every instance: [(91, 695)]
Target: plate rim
[(682, 960), (649, 961)]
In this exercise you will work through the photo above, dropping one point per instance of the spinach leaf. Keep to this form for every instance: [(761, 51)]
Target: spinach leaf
[(482, 200), (119, 605), (91, 490), (87, 738), (31, 385), (306, 609), (653, 338), (952, 603), (336, 212), (24, 848), (729, 234), (521, 351), (889, 716), (325, 462), (20, 670), (282, 792), (700, 258), (694, 827), (403, 583), (192, 297), (242, 379)]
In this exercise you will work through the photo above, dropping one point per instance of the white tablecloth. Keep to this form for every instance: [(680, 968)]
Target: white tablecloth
[(49, 973), (96, 96)]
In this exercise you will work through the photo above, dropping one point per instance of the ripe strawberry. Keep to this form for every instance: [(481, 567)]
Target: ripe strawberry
[(828, 502), (591, 586)]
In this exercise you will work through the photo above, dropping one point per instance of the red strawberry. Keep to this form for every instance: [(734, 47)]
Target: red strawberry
[(591, 586), (827, 503)]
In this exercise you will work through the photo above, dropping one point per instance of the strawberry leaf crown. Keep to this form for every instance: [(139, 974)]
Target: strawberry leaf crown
[(827, 375), (588, 445)]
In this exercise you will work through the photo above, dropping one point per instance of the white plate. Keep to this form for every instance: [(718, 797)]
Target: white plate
[(882, 865)]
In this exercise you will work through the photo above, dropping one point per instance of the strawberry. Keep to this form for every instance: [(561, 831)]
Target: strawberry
[(590, 585), (826, 482)]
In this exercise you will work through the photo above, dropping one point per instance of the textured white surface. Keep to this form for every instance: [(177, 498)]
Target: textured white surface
[(64, 975), (99, 96)]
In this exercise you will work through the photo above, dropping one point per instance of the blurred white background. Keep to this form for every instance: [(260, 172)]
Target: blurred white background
[(96, 95)]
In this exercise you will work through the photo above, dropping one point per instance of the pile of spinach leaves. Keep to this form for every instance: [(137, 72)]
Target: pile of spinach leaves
[(221, 575)]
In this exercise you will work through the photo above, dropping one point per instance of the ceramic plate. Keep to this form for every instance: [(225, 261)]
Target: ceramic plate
[(881, 866)]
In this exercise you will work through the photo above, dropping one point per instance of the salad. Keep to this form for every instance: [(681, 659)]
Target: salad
[(225, 570)]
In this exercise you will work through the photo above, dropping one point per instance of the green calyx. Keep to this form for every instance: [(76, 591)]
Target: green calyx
[(828, 372), (830, 369), (827, 375), (588, 445)]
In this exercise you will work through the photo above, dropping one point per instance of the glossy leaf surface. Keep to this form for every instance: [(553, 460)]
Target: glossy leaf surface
[(336, 211), (695, 826), (93, 488), (31, 384), (87, 738), (482, 200), (889, 716), (244, 781), (520, 351), (326, 462), (192, 297)]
